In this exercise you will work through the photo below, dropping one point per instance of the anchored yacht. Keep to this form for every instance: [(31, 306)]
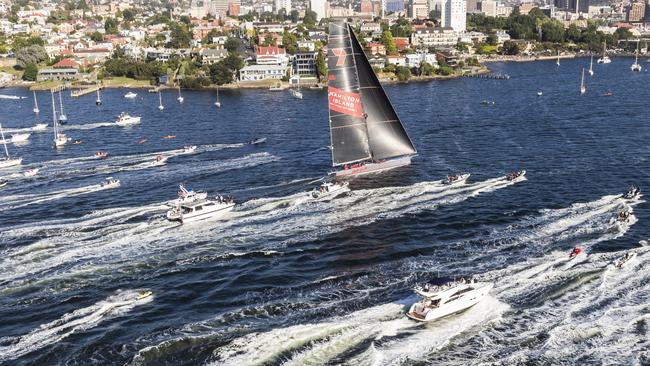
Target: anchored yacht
[(441, 300)]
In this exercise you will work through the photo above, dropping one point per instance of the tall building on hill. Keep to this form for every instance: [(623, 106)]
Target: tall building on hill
[(572, 6), (319, 7), (418, 9), (455, 15), (283, 4), (636, 12)]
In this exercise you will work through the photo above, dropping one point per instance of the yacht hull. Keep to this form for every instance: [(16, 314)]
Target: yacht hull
[(370, 168), (468, 300)]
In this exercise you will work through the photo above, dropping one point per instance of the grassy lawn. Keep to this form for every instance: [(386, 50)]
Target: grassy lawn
[(124, 82)]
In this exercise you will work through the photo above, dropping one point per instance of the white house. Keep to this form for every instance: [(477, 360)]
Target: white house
[(262, 72)]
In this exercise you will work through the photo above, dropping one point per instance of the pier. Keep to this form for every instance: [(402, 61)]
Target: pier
[(490, 76), (81, 92)]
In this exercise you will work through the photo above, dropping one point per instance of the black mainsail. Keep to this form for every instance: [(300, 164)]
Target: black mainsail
[(363, 123)]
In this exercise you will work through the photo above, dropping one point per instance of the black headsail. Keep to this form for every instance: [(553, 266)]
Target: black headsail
[(387, 137), (347, 119)]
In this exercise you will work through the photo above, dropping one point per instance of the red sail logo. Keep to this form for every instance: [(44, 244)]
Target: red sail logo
[(345, 102), (340, 53)]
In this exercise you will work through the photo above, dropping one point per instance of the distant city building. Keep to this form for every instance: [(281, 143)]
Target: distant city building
[(573, 6), (365, 6), (434, 37), (283, 4), (489, 8), (319, 7), (370, 27), (525, 8), (636, 12), (455, 15), (472, 5), (418, 9), (394, 6)]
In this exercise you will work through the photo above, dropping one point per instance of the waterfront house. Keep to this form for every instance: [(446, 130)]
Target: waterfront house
[(271, 55), (262, 72), (57, 74), (304, 63), (212, 56)]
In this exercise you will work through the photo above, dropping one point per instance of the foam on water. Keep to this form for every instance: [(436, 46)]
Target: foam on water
[(77, 321)]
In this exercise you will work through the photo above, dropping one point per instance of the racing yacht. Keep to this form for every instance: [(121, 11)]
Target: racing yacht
[(366, 134), (7, 161), (455, 179), (442, 299), (124, 119), (200, 210), (329, 190)]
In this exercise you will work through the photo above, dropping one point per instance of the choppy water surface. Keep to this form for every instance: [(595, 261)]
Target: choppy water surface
[(286, 281)]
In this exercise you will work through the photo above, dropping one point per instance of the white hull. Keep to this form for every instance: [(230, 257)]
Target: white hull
[(40, 127), (604, 60), (215, 211), (465, 301), (160, 162), (128, 121), (130, 95), (19, 137), (333, 191), (110, 185), (369, 168), (462, 178), (30, 172), (6, 163)]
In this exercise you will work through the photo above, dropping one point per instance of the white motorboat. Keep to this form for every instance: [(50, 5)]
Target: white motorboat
[(30, 172), (329, 190), (35, 110), (455, 179), (257, 141), (110, 182), (188, 195), (10, 97), (515, 175), (101, 155), (159, 160), (200, 210), (632, 192), (6, 160), (19, 137), (540, 93), (621, 262), (189, 149), (3, 182), (130, 95), (442, 300), (296, 93), (125, 119), (40, 127)]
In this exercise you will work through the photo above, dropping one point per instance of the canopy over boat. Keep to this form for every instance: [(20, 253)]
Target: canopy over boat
[(363, 123)]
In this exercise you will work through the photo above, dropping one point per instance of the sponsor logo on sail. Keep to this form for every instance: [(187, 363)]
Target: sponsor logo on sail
[(340, 53), (345, 102)]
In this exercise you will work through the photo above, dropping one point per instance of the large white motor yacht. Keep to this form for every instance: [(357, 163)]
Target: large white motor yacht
[(125, 119), (200, 210), (439, 301)]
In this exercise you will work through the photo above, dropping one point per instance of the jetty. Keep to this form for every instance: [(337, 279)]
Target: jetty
[(84, 91), (489, 76)]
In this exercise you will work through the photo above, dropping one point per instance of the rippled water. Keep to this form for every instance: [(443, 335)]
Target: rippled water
[(286, 281)]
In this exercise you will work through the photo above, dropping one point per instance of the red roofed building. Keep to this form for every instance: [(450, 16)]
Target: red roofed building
[(271, 55), (376, 48), (402, 43), (66, 63)]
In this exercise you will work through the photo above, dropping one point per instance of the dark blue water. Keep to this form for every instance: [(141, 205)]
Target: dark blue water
[(284, 280)]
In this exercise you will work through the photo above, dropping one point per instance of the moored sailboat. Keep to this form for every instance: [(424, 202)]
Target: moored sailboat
[(367, 135), (558, 59), (160, 106), (217, 103), (6, 160), (636, 66), (180, 97), (591, 66), (35, 110), (583, 88), (60, 139), (605, 59), (62, 117), (98, 101)]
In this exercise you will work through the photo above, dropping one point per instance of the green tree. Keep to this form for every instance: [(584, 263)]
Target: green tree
[(33, 54), (426, 69), (22, 42), (492, 39), (31, 72), (510, 48), (552, 31), (82, 5), (573, 33), (321, 65), (388, 42), (97, 37), (445, 70), (403, 73), (180, 36), (110, 25), (128, 15), (232, 44), (623, 33), (294, 15), (310, 19)]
